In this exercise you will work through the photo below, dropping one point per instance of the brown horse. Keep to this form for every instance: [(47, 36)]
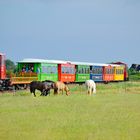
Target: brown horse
[(60, 86)]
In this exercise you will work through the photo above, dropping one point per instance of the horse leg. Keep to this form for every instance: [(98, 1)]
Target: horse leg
[(58, 91), (67, 93), (34, 93), (90, 91), (55, 91), (45, 93), (62, 91), (94, 90), (42, 93), (49, 92)]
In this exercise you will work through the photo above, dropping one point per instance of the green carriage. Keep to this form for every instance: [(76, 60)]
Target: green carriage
[(82, 71), (35, 69)]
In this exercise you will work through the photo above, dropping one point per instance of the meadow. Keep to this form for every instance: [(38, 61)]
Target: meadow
[(112, 114)]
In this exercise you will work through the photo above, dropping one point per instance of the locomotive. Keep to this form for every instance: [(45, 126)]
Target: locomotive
[(29, 70)]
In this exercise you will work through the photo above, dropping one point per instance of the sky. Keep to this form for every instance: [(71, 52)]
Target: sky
[(99, 31)]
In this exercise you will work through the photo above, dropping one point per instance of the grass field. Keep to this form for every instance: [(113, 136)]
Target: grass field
[(112, 114)]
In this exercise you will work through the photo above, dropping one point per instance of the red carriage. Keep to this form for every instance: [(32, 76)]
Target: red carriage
[(66, 72)]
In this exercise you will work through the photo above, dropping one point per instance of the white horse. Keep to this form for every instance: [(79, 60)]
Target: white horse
[(91, 86)]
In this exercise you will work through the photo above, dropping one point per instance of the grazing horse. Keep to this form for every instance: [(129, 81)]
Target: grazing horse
[(91, 86), (50, 85), (60, 86), (43, 87)]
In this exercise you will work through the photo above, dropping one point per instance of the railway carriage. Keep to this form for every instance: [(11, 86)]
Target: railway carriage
[(126, 75), (66, 72), (35, 69), (82, 71), (96, 72), (45, 69), (118, 73), (108, 73)]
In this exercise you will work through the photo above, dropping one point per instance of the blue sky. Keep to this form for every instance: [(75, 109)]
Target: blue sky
[(99, 31)]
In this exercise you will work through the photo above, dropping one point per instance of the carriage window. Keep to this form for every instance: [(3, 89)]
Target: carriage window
[(67, 70), (72, 70), (99, 71), (27, 68), (109, 71), (79, 70), (112, 71), (54, 69), (105, 71), (44, 69), (63, 70), (120, 71), (88, 71), (49, 70), (94, 71), (116, 71), (85, 70)]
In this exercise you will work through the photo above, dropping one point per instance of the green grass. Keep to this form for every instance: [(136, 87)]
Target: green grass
[(134, 76), (112, 114)]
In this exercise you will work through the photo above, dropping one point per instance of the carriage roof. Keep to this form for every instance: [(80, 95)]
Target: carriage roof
[(81, 63), (115, 65), (32, 60), (89, 64)]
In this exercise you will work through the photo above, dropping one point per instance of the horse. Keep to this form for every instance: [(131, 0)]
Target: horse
[(91, 86), (60, 86), (50, 85), (43, 87)]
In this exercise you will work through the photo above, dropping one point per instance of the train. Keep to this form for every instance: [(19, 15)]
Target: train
[(29, 70)]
